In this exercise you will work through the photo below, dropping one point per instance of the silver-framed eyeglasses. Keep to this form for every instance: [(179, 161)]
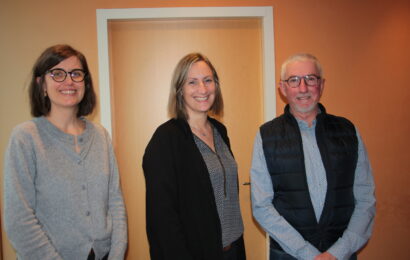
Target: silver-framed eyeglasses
[(59, 75), (310, 80)]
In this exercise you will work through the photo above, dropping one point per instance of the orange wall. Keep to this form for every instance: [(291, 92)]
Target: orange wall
[(363, 46)]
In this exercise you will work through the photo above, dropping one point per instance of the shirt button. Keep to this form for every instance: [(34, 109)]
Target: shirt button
[(83, 187), (87, 213), (80, 139)]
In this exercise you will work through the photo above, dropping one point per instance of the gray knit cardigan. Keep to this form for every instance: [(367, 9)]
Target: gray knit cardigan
[(58, 203)]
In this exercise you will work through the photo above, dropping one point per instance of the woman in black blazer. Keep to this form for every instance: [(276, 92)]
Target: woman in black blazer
[(191, 176)]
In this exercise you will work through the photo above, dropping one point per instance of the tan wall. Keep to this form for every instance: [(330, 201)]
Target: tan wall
[(363, 46)]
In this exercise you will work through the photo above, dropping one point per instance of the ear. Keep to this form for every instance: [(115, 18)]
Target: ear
[(38, 79), (322, 86), (282, 88)]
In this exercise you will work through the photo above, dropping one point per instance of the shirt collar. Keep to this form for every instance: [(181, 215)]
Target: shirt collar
[(303, 125)]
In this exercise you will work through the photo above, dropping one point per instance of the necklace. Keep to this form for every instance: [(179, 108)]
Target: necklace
[(203, 133)]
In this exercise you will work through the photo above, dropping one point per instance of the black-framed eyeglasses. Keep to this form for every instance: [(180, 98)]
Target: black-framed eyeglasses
[(310, 80), (59, 75)]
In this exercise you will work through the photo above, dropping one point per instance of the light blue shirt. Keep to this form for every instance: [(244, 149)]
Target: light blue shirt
[(361, 223)]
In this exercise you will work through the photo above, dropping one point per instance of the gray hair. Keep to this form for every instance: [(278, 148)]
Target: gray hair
[(301, 57)]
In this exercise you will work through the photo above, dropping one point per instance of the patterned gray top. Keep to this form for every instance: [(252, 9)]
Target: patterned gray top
[(223, 173)]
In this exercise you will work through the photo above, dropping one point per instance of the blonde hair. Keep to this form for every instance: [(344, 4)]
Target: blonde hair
[(176, 105)]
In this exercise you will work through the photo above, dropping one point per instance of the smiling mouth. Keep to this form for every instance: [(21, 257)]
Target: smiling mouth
[(201, 98), (68, 92), (303, 98)]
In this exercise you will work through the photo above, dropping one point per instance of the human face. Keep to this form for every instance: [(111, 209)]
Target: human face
[(65, 94), (302, 100), (199, 89)]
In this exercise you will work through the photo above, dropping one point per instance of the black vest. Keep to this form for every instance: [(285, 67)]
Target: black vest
[(338, 144)]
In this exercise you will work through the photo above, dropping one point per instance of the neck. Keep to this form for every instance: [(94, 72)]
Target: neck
[(308, 117), (198, 121), (67, 121)]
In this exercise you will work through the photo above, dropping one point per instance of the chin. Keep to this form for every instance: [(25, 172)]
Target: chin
[(306, 109)]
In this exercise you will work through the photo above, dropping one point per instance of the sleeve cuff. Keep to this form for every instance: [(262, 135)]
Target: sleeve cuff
[(308, 252), (339, 251)]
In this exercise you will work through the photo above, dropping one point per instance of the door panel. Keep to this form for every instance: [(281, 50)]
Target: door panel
[(143, 54)]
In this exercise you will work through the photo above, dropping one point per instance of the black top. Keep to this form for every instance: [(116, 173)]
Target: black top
[(182, 217)]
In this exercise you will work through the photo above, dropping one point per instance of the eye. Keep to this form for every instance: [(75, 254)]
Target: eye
[(311, 80), (191, 82), (293, 80), (311, 77), (77, 73), (58, 73)]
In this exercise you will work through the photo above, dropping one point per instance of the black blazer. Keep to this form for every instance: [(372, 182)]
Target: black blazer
[(182, 218)]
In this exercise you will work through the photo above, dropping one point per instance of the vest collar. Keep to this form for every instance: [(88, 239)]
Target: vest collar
[(322, 110)]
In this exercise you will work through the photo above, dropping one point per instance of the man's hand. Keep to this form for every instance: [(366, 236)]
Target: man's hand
[(325, 256)]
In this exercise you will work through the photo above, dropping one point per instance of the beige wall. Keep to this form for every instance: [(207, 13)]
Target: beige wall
[(363, 46)]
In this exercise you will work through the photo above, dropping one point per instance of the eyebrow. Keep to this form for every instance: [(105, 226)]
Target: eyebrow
[(208, 76), (66, 70)]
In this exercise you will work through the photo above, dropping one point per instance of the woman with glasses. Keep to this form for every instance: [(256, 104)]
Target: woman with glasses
[(191, 176), (62, 190)]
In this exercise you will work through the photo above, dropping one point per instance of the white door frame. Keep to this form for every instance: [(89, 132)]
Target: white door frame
[(265, 13)]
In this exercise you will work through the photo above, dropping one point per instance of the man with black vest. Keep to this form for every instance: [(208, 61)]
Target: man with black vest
[(312, 186)]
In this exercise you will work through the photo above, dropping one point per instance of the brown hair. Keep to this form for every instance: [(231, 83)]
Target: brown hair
[(176, 106), (40, 104)]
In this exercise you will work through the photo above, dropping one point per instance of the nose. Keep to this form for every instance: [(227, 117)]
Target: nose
[(201, 87), (68, 80), (302, 86)]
